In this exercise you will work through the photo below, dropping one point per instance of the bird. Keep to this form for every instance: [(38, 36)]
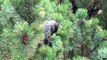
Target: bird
[(50, 27)]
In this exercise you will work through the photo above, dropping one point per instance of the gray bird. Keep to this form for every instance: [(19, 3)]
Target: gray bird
[(50, 27)]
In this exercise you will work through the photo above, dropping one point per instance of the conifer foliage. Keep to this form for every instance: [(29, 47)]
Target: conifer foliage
[(52, 30)]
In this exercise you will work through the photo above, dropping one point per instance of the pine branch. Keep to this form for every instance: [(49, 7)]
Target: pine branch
[(21, 15), (97, 46), (29, 20), (80, 25), (83, 38)]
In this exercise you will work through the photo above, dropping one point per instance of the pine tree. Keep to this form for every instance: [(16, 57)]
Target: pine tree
[(64, 36)]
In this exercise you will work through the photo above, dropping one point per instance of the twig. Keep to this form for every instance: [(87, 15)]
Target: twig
[(64, 54), (83, 40), (93, 34)]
